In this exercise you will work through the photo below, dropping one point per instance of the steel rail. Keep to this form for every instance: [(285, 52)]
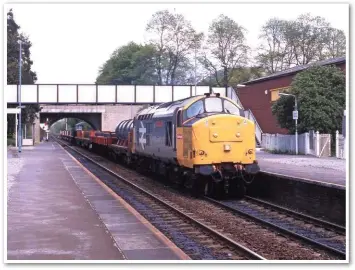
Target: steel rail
[(308, 218), (231, 242), (279, 228)]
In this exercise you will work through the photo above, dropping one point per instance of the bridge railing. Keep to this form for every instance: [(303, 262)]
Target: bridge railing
[(258, 132), (103, 94)]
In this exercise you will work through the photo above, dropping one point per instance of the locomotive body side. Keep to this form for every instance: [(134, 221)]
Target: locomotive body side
[(204, 143)]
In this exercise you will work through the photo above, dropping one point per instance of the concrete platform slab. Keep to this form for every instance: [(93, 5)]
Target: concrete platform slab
[(59, 210), (318, 170)]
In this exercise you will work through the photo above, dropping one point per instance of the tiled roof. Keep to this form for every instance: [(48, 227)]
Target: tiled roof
[(297, 69)]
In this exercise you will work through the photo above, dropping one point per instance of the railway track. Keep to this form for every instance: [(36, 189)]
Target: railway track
[(271, 244), (317, 232), (196, 238)]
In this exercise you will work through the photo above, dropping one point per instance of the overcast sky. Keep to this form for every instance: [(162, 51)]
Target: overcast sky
[(71, 41)]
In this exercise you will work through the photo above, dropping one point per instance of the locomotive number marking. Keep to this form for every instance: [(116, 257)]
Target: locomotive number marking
[(142, 130)]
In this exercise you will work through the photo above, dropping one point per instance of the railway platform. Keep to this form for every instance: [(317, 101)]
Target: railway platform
[(323, 171), (57, 210)]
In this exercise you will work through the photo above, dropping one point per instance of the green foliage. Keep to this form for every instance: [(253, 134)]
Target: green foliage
[(129, 64), (320, 92), (175, 41), (298, 42), (28, 76), (225, 49), (11, 142), (280, 152), (237, 75), (71, 122), (222, 54)]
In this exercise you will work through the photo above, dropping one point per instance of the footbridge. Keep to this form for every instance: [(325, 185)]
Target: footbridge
[(102, 106)]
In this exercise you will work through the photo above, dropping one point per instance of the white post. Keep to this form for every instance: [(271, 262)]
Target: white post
[(296, 127), (16, 127), (317, 144), (337, 144)]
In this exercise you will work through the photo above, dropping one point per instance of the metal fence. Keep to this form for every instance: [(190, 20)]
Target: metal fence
[(310, 143), (285, 143)]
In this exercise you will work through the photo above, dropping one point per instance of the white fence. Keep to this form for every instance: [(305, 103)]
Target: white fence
[(309, 143), (340, 145)]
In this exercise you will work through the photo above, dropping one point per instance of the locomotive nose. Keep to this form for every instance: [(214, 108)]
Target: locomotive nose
[(226, 130)]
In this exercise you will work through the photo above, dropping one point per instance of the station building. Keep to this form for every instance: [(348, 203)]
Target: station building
[(259, 94)]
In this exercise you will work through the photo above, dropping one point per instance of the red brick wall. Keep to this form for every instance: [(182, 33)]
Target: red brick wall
[(253, 97)]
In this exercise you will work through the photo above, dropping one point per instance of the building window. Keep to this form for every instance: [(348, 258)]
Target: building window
[(274, 95), (275, 92)]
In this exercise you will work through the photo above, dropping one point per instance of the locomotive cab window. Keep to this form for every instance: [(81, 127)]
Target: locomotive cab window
[(213, 105), (229, 107), (195, 109), (179, 118)]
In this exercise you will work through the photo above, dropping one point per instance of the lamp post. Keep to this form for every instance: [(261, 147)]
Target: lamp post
[(295, 117), (19, 97), (195, 66)]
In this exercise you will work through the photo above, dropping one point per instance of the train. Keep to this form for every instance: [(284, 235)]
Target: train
[(203, 143)]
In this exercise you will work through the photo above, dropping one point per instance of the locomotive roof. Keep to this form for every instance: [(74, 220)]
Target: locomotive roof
[(167, 108)]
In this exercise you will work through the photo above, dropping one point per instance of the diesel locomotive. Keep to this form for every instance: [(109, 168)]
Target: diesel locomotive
[(203, 143)]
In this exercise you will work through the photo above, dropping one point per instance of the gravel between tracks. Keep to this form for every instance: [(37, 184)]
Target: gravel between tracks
[(262, 240)]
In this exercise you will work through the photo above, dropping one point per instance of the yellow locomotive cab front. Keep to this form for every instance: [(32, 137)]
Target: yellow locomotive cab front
[(217, 143), (215, 132), (223, 138)]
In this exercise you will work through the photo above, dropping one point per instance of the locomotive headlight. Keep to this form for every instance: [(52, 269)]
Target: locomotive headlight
[(250, 151), (227, 147), (201, 152), (237, 135), (215, 135)]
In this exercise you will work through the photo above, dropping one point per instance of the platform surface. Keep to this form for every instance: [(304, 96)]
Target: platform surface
[(57, 210), (324, 170)]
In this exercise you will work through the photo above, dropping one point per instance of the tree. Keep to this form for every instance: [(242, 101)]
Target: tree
[(239, 74), (335, 44), (225, 48), (307, 36), (298, 42), (175, 40), (320, 92), (129, 64), (277, 53), (28, 76)]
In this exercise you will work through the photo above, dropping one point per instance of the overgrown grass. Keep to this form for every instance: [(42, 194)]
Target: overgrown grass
[(287, 152), (11, 142)]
